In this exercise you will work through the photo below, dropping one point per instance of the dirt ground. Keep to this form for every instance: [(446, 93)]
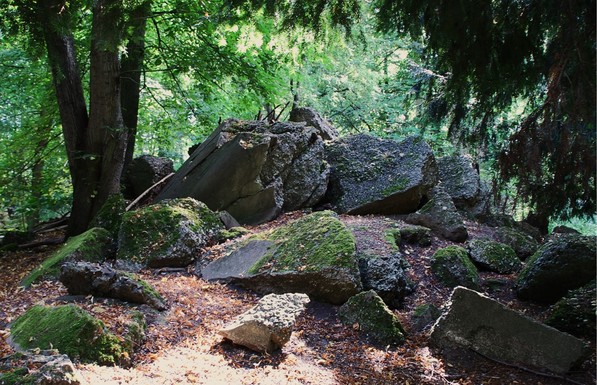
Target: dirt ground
[(183, 346)]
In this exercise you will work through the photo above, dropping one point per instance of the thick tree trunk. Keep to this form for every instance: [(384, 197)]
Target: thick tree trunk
[(95, 143), (130, 80)]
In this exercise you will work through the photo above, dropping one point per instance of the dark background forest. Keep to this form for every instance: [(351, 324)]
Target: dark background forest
[(88, 85)]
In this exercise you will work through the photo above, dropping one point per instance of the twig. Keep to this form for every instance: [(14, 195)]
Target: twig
[(147, 191), (543, 374), (53, 241)]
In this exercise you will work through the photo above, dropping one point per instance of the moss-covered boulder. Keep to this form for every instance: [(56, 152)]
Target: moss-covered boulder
[(70, 330), (461, 179), (370, 314), (561, 264), (440, 215), (417, 235), (109, 217), (523, 244), (575, 313), (91, 246), (452, 266), (170, 233), (314, 255), (47, 367), (493, 256)]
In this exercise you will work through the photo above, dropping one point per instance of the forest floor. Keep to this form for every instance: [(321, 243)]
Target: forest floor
[(183, 345)]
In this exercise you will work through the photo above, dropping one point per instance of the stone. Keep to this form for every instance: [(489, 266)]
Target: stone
[(575, 312), (523, 244), (167, 234), (268, 325), (315, 255), (562, 229), (254, 170), (42, 367), (70, 330), (460, 178), (424, 317), (477, 322), (559, 265), (94, 245), (493, 256), (109, 217), (143, 172), (417, 235), (379, 176), (452, 266), (84, 278), (312, 118), (367, 312), (440, 215)]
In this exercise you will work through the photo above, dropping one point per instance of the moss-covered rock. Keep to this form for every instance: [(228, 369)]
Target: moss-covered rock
[(418, 235), (452, 266), (70, 330), (109, 217), (523, 244), (494, 256), (91, 246), (575, 313), (562, 264), (169, 233), (370, 313), (314, 255), (424, 316)]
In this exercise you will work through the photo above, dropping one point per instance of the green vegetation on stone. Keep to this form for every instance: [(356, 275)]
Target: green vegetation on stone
[(110, 215), (18, 376), (575, 313), (494, 256), (452, 266), (311, 243), (91, 246), (71, 331)]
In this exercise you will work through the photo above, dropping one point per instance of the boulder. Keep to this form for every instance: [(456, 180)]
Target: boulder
[(523, 244), (452, 266), (493, 256), (91, 246), (575, 313), (109, 217), (143, 172), (254, 170), (368, 312), (170, 233), (69, 329), (41, 367), (424, 317), (268, 325), (476, 322), (315, 255), (387, 276), (460, 179), (417, 235), (561, 264), (378, 176), (313, 118), (440, 215), (83, 278)]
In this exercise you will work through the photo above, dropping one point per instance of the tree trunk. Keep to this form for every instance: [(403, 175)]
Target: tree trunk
[(130, 80)]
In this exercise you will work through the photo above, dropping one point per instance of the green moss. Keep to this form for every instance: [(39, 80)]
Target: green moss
[(494, 256), (232, 233), (575, 313), (310, 243), (148, 290), (91, 246), (71, 331), (399, 185), (17, 376), (414, 234), (452, 266), (393, 238), (135, 331), (110, 215), (373, 317), (153, 229)]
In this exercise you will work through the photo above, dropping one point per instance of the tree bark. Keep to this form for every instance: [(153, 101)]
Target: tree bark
[(130, 80)]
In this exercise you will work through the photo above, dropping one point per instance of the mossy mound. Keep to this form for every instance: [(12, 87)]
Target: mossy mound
[(563, 263), (311, 243), (418, 235), (91, 246), (110, 215), (522, 243), (70, 330), (169, 233), (575, 313), (373, 317), (494, 256), (452, 266)]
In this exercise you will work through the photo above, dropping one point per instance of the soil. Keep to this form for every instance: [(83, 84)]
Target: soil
[(183, 345)]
